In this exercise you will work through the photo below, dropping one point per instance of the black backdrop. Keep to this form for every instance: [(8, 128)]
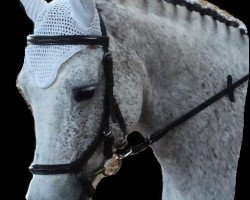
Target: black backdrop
[(140, 176)]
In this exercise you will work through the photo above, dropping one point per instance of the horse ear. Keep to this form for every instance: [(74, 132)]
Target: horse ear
[(32, 7), (83, 12)]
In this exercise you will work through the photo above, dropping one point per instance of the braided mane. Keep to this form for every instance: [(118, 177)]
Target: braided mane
[(206, 8)]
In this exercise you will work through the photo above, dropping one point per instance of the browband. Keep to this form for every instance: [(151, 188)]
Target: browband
[(68, 40)]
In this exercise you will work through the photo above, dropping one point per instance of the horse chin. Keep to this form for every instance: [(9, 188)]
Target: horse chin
[(63, 187)]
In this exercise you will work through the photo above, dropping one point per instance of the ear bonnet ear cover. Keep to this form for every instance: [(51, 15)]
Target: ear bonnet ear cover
[(60, 17)]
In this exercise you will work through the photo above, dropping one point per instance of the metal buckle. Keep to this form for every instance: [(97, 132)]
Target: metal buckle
[(150, 141), (112, 166), (107, 133), (124, 155), (107, 54)]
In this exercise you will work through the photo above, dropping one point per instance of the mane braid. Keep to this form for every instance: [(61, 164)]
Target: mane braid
[(210, 12)]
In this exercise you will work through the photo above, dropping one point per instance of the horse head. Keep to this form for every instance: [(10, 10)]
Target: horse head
[(66, 89)]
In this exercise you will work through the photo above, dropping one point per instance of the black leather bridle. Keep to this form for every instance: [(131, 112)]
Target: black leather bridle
[(110, 107), (111, 110)]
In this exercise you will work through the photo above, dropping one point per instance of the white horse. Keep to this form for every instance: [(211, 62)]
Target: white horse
[(167, 60)]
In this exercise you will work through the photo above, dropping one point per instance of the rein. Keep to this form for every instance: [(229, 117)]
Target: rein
[(163, 132)]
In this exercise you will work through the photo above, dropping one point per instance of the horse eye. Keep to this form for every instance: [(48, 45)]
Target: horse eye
[(83, 94)]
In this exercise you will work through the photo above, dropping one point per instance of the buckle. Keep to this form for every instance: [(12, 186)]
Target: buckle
[(126, 154), (107, 134)]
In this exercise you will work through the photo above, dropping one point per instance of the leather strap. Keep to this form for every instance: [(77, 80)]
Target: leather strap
[(68, 40), (163, 132)]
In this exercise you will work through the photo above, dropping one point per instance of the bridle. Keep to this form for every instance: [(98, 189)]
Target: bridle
[(111, 110), (110, 107)]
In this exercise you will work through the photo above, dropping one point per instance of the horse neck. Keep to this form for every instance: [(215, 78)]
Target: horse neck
[(184, 57), (184, 65)]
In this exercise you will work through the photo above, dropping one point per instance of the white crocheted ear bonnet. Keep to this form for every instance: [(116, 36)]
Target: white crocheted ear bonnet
[(60, 17)]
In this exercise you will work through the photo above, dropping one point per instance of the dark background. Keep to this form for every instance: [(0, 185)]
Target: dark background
[(140, 176)]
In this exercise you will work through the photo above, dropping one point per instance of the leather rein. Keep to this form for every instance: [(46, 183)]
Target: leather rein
[(111, 110)]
